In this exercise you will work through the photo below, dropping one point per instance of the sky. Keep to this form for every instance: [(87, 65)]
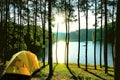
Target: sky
[(59, 21)]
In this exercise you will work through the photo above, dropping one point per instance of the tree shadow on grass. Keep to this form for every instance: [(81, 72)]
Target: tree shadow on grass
[(111, 75), (72, 73), (77, 77), (55, 67), (39, 70), (43, 67), (51, 74), (96, 75)]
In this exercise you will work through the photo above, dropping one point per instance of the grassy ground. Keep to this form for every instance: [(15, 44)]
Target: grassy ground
[(61, 72)]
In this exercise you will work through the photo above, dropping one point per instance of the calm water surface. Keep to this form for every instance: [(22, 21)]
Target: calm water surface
[(73, 52)]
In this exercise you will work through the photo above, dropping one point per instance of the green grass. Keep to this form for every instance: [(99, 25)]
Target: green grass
[(61, 72)]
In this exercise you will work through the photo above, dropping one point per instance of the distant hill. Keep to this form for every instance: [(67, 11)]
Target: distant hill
[(74, 35), (91, 34)]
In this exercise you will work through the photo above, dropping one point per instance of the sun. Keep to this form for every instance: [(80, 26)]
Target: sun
[(59, 19), (59, 22)]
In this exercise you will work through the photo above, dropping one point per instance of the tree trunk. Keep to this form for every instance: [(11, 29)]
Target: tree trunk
[(113, 27), (14, 27), (50, 40), (43, 29), (86, 62), (6, 32), (66, 25), (101, 33), (117, 44), (44, 22), (57, 42), (1, 32), (20, 28), (27, 39), (105, 39), (35, 29), (79, 34), (95, 34)]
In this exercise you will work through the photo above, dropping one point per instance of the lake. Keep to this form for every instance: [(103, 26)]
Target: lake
[(73, 52)]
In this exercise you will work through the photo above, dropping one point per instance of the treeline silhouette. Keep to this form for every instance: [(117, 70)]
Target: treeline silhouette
[(91, 35)]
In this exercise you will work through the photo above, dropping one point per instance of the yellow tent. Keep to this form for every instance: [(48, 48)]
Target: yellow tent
[(23, 63)]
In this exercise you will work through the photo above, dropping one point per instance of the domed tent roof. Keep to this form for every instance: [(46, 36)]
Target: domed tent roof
[(22, 63)]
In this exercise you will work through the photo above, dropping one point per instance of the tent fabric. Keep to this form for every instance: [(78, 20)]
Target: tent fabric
[(23, 62)]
